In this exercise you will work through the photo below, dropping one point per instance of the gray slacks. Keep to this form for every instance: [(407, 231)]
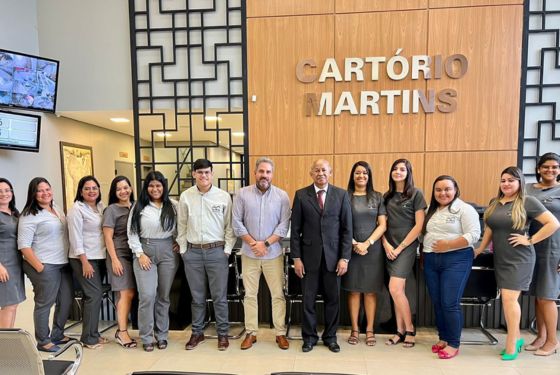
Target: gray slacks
[(211, 264), (154, 286), (50, 287), (92, 298)]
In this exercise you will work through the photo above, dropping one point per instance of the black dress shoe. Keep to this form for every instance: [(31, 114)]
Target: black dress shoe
[(333, 347), (306, 347)]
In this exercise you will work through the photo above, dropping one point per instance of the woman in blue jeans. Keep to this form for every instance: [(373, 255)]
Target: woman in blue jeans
[(451, 229)]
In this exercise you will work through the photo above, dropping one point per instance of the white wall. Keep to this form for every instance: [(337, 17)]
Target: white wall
[(18, 26), (91, 40), (20, 167)]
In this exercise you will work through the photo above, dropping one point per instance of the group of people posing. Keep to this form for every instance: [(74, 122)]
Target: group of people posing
[(339, 239)]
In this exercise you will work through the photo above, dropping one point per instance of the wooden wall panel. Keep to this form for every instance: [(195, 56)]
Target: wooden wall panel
[(267, 8), (292, 172), (468, 3), (487, 117), (278, 125), (477, 173), (349, 6), (380, 34), (380, 164)]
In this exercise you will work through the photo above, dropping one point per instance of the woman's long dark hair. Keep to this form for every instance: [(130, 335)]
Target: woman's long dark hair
[(113, 189), (12, 204), (543, 159), (434, 203), (371, 194), (79, 197), (168, 215), (408, 183), (31, 205)]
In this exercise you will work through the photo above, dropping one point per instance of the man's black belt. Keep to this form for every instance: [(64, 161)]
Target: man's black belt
[(205, 246)]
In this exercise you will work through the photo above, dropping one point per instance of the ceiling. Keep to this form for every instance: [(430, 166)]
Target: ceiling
[(203, 128)]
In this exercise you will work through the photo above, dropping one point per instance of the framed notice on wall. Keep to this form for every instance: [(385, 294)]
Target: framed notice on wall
[(76, 161)]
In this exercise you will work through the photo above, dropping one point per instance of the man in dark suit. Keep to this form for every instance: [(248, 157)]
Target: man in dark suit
[(321, 245)]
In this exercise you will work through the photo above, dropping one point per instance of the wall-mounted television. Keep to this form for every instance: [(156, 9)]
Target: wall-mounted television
[(19, 131), (28, 81)]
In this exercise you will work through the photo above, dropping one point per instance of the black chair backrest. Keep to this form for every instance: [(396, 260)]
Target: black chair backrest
[(293, 287), (482, 282), (235, 283)]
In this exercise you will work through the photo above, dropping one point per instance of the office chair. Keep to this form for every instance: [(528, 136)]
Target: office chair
[(481, 290), (19, 356)]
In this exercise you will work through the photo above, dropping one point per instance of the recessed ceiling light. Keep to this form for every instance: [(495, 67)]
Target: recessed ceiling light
[(119, 119), (238, 134), (163, 134), (212, 118)]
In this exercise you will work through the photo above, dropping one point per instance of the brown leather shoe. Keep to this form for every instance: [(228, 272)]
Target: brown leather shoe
[(282, 342), (223, 342), (248, 341), (194, 341)]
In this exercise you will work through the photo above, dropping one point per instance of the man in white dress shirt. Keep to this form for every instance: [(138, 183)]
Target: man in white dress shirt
[(206, 238)]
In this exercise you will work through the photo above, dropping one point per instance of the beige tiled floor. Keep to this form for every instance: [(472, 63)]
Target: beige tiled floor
[(265, 357)]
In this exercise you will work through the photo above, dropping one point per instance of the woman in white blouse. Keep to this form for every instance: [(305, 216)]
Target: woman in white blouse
[(43, 241), (151, 230), (451, 229), (87, 256)]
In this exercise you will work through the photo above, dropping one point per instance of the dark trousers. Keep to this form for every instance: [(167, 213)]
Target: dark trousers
[(92, 298), (52, 286), (212, 265), (327, 283), (446, 276)]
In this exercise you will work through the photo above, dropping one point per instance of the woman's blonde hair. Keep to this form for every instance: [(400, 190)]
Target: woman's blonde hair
[(518, 213)]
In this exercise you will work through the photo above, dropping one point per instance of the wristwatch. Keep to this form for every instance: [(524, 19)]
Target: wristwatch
[(345, 260), (371, 242), (266, 243)]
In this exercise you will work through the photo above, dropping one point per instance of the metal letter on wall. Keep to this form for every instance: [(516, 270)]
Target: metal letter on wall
[(540, 124), (189, 84)]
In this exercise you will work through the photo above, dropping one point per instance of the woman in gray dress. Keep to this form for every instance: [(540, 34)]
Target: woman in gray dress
[(366, 267), (405, 207), (119, 261), (507, 220), (12, 291), (546, 279)]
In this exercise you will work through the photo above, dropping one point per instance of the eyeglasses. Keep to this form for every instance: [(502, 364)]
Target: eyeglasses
[(93, 188), (6, 191)]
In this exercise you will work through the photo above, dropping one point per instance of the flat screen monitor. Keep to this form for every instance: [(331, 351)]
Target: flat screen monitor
[(19, 131), (28, 81)]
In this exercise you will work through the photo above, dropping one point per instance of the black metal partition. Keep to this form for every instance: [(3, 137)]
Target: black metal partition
[(188, 86)]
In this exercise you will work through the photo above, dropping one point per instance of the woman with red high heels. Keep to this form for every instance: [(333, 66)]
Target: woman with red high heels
[(451, 229)]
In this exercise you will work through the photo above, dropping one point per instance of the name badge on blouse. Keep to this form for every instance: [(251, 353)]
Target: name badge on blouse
[(218, 209), (451, 220)]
